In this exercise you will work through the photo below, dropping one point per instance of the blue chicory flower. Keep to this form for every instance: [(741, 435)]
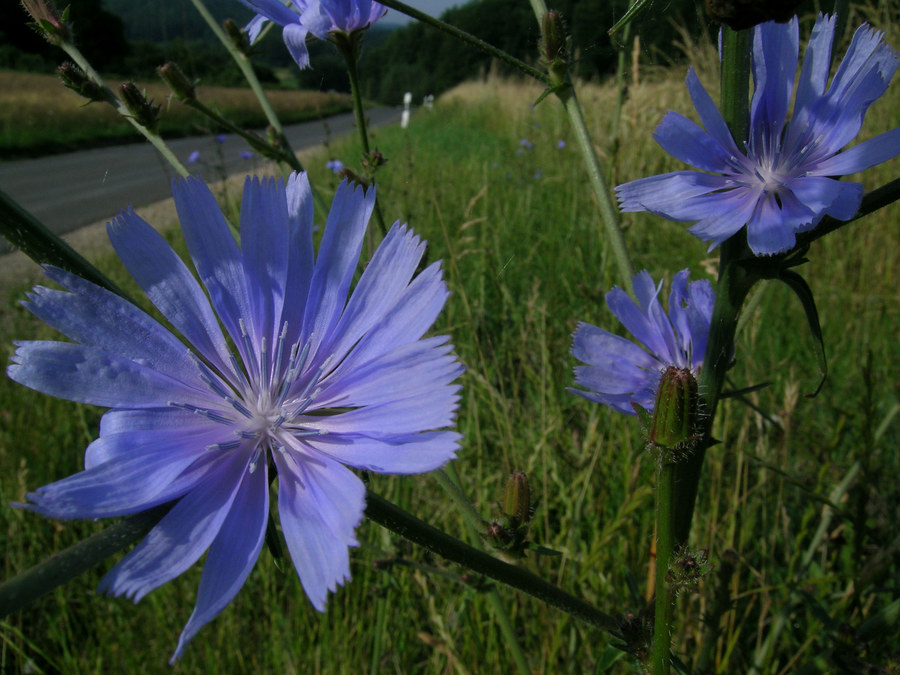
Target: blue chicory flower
[(618, 372), (334, 165), (319, 17), (783, 183), (320, 379), (193, 157)]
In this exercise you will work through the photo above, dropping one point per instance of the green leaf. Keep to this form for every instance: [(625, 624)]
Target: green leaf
[(802, 290), (879, 623)]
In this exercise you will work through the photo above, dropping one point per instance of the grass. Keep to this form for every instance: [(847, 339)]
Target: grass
[(38, 116), (525, 260)]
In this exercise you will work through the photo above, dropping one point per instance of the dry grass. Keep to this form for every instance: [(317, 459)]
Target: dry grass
[(40, 116)]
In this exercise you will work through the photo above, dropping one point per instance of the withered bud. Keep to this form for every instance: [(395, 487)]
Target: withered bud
[(238, 37), (48, 21), (143, 110), (74, 78), (517, 500), (177, 81), (675, 413)]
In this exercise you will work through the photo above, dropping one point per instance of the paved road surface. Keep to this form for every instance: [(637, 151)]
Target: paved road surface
[(66, 192)]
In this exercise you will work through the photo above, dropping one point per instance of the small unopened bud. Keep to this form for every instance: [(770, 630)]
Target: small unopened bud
[(177, 81), (555, 46), (517, 500), (75, 79), (675, 413), (48, 21), (143, 110), (238, 37)]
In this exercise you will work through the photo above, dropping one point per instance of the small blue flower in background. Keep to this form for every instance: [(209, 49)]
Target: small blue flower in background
[(320, 379), (246, 154), (334, 165), (619, 372), (319, 17), (782, 183), (193, 157), (221, 138), (561, 144), (526, 144)]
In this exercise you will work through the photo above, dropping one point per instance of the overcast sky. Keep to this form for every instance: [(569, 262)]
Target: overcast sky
[(433, 7)]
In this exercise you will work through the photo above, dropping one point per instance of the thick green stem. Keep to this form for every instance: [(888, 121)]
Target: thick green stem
[(409, 527), (732, 287), (465, 37), (660, 658), (155, 139), (23, 589)]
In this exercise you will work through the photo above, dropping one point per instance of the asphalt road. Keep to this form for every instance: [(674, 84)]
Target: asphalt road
[(66, 192)]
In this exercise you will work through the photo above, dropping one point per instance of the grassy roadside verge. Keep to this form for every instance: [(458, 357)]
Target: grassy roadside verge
[(38, 116)]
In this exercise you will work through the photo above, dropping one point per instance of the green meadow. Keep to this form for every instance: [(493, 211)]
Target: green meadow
[(797, 509)]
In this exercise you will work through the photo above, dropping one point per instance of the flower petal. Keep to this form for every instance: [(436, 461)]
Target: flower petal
[(264, 248), (681, 195), (120, 486), (775, 50), (232, 555), (90, 375), (337, 259), (687, 142), (320, 504), (402, 454), (182, 536), (709, 114), (294, 36), (861, 156), (216, 257), (166, 280)]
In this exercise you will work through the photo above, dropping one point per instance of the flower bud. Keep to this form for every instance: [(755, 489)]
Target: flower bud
[(675, 413), (74, 78), (48, 21), (177, 81), (517, 500), (238, 37), (687, 569), (555, 46), (144, 111)]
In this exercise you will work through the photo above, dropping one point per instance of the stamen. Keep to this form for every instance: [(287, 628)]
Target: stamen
[(226, 445), (203, 412)]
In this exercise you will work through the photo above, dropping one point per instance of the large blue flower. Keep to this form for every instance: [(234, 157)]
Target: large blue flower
[(618, 372), (319, 17), (315, 382), (783, 183)]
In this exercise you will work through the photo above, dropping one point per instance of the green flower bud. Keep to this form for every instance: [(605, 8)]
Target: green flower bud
[(675, 413), (517, 500), (555, 46), (177, 81), (144, 111), (75, 79), (237, 36)]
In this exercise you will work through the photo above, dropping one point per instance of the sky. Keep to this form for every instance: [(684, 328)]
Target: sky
[(432, 7)]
